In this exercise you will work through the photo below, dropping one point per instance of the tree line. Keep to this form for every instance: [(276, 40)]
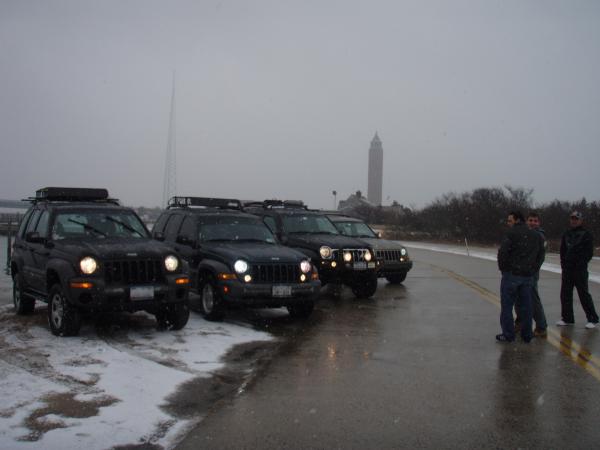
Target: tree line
[(479, 216)]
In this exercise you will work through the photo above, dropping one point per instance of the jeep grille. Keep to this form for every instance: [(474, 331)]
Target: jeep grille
[(133, 271), (389, 255), (276, 273)]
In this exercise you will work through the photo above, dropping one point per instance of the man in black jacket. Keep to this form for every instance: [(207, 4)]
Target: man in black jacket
[(520, 256), (576, 250)]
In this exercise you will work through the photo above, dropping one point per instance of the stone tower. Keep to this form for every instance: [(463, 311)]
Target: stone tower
[(375, 183)]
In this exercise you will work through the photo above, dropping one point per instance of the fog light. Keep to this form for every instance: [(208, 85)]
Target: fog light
[(303, 278), (347, 256), (247, 278), (333, 264)]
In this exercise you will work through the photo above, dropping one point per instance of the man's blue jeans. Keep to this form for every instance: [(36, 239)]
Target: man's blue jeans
[(513, 288)]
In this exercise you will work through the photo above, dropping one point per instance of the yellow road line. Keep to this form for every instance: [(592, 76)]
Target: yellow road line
[(571, 349)]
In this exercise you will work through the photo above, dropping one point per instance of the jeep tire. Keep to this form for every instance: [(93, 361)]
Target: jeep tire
[(301, 310), (396, 278), (64, 319), (211, 305), (365, 288), (24, 303), (173, 317)]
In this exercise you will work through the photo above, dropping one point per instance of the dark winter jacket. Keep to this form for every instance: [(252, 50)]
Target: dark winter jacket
[(521, 252), (542, 233), (576, 249)]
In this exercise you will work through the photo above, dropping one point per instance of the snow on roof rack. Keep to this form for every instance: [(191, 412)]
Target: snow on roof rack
[(204, 202), (69, 194)]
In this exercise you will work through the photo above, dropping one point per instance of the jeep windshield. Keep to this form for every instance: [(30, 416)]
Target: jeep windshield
[(225, 229), (355, 229), (308, 224), (98, 224)]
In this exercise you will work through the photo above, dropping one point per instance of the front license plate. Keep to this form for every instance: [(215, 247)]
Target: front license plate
[(371, 265), (282, 291), (141, 293), (360, 265)]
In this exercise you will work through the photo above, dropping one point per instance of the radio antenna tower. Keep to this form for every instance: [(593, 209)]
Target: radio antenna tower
[(170, 181)]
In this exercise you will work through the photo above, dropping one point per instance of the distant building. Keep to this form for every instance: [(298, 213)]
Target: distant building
[(354, 201), (375, 182)]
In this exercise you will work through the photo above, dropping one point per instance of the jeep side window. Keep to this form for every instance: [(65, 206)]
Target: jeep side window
[(188, 228), (159, 226), (24, 222), (270, 222), (173, 227), (33, 221), (42, 225)]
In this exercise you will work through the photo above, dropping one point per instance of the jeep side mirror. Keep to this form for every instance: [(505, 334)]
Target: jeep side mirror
[(379, 234), (282, 238), (34, 237), (159, 236), (185, 240)]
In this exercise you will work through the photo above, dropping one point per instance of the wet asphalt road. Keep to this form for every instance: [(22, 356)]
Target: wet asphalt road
[(418, 367)]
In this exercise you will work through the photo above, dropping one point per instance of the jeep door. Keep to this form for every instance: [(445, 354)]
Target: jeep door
[(186, 245), (39, 253)]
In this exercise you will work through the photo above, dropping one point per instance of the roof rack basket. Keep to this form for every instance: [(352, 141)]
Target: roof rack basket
[(204, 202), (69, 194)]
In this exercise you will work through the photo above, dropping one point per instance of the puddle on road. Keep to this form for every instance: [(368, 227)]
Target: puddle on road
[(243, 363)]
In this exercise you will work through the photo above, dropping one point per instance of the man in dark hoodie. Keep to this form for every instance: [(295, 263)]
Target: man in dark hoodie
[(539, 317), (576, 250), (520, 256)]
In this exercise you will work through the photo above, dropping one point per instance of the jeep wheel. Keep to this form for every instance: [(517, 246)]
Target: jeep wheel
[(301, 310), (210, 302), (24, 304), (365, 288), (396, 278), (64, 318), (173, 317)]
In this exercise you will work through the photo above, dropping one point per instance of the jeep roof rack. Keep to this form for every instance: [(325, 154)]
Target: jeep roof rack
[(284, 204), (69, 194), (204, 202)]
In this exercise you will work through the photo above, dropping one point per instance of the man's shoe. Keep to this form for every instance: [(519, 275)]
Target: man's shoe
[(590, 325), (540, 332), (502, 338), (562, 323)]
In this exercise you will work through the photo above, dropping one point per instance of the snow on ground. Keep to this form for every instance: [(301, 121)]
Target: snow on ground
[(96, 391), (552, 263)]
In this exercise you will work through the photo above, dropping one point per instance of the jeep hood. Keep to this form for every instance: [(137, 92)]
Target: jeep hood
[(335, 241), (383, 244), (117, 248), (254, 252)]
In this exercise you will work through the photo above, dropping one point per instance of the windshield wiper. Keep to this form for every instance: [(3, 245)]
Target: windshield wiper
[(252, 240), (88, 227), (124, 225), (218, 240)]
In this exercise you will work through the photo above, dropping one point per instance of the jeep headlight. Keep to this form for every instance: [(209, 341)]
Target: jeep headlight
[(171, 263), (305, 266), (368, 256), (325, 252), (403, 251), (88, 265), (240, 266)]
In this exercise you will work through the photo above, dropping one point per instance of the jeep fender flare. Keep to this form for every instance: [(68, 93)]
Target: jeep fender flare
[(212, 267), (61, 271), (314, 256)]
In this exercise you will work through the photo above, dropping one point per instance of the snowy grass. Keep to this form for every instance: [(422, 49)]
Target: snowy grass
[(95, 393)]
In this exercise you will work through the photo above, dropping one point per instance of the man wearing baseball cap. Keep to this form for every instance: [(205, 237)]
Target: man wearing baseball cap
[(576, 250)]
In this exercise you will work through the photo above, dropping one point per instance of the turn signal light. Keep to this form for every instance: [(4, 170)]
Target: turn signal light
[(314, 276), (182, 281), (81, 285), (227, 276)]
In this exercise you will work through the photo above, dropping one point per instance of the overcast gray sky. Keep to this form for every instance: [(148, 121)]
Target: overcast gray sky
[(282, 98)]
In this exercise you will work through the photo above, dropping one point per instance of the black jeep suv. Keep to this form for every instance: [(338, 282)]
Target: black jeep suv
[(340, 259), (234, 258), (80, 251), (392, 257)]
